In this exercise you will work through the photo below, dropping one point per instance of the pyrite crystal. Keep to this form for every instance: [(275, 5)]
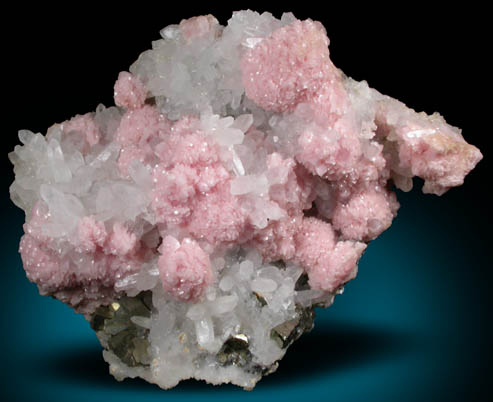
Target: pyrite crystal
[(233, 188)]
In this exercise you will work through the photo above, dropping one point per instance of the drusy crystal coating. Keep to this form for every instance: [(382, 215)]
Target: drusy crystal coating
[(232, 189)]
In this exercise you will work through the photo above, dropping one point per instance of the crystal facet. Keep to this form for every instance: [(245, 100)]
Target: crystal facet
[(231, 190)]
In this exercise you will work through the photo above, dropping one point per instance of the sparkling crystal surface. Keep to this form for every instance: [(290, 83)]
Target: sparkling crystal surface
[(233, 188)]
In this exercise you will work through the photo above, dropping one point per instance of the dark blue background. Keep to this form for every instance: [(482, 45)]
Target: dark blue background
[(413, 326)]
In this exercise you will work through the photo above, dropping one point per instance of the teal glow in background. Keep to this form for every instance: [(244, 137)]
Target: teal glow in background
[(413, 326)]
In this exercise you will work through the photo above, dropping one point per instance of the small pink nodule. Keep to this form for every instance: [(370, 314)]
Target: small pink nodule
[(184, 268)]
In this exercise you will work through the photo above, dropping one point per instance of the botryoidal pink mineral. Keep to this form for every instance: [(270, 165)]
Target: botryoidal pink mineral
[(233, 188)]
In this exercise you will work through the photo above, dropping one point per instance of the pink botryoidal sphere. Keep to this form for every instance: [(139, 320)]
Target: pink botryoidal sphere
[(185, 269), (234, 186)]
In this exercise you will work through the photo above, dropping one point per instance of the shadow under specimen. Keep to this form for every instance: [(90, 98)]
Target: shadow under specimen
[(329, 347)]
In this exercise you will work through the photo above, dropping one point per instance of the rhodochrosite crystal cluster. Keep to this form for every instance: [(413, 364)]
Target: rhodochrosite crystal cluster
[(233, 188)]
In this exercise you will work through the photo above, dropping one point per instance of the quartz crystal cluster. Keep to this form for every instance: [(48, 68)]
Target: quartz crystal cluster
[(233, 188)]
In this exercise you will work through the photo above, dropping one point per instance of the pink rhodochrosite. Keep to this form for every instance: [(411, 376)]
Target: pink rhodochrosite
[(233, 188)]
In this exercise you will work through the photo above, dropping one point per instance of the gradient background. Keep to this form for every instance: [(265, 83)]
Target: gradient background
[(413, 326)]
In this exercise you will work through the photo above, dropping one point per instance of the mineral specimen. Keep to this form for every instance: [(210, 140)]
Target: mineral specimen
[(233, 188)]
